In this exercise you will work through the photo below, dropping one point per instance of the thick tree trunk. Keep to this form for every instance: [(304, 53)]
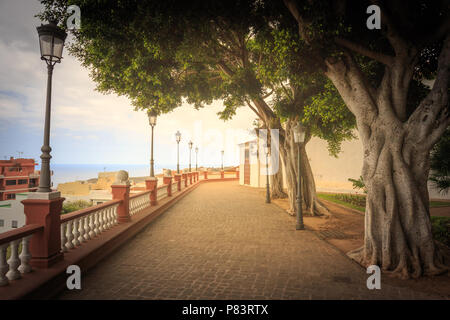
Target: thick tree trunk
[(276, 186), (289, 158), (398, 234)]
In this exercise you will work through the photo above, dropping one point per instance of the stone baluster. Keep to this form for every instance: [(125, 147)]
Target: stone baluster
[(69, 234), (3, 265), (63, 237), (80, 230), (91, 226), (76, 241), (25, 256), (14, 261), (86, 228)]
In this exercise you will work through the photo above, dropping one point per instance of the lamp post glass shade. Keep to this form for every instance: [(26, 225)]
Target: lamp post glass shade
[(178, 136), (152, 117), (51, 42), (299, 133), (190, 144)]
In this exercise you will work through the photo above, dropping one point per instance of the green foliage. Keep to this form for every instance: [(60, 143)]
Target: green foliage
[(71, 206), (159, 54), (440, 163), (440, 227), (358, 184)]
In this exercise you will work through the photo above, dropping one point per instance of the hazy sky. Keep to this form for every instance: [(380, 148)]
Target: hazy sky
[(86, 126)]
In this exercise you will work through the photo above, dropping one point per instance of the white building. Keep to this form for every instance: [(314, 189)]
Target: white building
[(331, 174), (11, 213)]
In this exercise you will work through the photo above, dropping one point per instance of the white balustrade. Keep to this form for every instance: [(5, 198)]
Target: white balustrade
[(18, 262), (80, 229), (162, 193), (139, 203)]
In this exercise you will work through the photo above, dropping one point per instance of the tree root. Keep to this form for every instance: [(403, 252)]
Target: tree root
[(406, 267)]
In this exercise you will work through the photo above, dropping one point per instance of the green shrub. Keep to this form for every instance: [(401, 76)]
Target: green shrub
[(71, 206), (440, 226)]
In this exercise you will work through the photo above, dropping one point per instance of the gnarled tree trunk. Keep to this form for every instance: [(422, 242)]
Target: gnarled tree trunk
[(289, 157), (398, 229), (398, 235)]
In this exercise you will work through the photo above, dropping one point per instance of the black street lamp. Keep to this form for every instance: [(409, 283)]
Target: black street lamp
[(267, 151), (178, 137), (51, 43), (190, 149), (222, 158), (196, 158), (299, 138), (152, 121)]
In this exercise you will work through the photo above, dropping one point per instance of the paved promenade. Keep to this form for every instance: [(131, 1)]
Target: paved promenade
[(223, 242)]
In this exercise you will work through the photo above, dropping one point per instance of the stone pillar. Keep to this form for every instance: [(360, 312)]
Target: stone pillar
[(222, 174), (121, 191), (237, 173), (205, 175), (197, 176), (184, 175), (151, 184), (44, 208), (178, 180), (167, 179), (190, 177)]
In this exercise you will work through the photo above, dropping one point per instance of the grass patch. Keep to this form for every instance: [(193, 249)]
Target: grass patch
[(440, 226), (339, 199), (437, 204)]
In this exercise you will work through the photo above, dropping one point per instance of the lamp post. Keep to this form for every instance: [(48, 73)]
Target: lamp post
[(267, 151), (178, 137), (196, 158), (190, 149), (222, 158), (152, 121), (51, 43), (299, 138)]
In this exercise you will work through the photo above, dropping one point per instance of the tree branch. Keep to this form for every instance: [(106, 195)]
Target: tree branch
[(378, 56), (302, 25)]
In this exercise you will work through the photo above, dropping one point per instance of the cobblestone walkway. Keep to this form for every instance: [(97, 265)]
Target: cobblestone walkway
[(223, 242)]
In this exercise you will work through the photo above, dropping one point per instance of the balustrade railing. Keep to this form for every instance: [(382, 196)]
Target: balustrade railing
[(76, 228), (83, 225), (15, 254), (139, 202)]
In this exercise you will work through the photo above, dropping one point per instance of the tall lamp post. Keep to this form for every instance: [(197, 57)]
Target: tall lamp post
[(51, 43), (267, 151), (190, 149), (196, 158), (152, 121), (299, 138), (222, 158), (178, 137)]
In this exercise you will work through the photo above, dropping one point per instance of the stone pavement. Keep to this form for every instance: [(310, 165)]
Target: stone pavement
[(223, 242)]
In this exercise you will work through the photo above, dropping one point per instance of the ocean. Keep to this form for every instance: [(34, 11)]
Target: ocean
[(73, 172)]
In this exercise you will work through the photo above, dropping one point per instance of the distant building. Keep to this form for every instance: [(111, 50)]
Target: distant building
[(331, 174), (11, 213), (17, 176)]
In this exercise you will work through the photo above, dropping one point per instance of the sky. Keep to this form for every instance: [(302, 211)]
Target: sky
[(88, 127)]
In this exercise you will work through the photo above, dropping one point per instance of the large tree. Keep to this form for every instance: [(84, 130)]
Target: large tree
[(379, 74), (157, 53)]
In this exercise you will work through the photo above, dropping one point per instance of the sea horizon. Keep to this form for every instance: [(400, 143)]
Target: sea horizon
[(70, 172)]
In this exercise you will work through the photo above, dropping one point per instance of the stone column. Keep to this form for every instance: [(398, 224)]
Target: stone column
[(222, 174), (190, 177), (44, 208), (184, 175), (121, 191), (237, 173), (167, 179), (205, 175), (178, 180), (151, 184)]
